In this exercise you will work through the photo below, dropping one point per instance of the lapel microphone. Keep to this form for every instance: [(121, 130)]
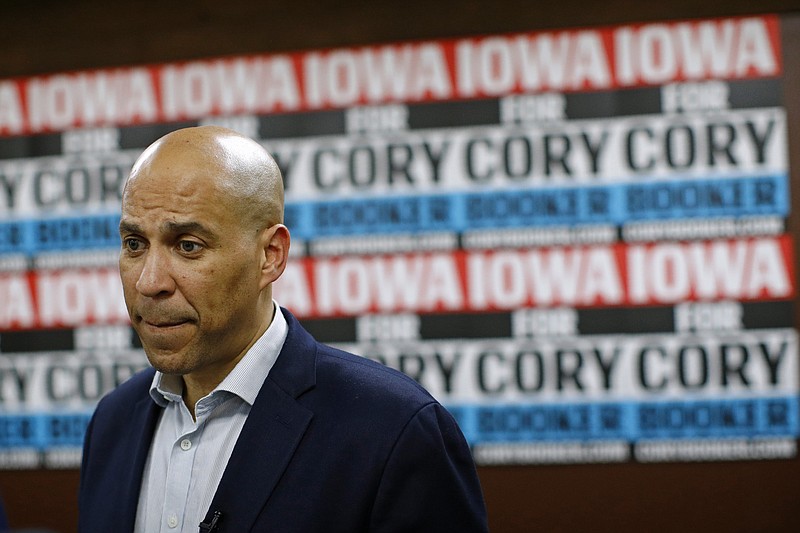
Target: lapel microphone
[(210, 527)]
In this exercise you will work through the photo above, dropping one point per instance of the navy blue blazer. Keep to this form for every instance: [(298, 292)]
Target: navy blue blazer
[(333, 443)]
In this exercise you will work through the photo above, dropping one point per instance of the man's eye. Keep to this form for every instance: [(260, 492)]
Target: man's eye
[(132, 245), (189, 246)]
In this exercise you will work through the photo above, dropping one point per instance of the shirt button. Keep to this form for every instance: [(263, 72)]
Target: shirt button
[(172, 521), (186, 444)]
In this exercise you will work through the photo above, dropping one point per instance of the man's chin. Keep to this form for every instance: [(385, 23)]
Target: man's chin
[(168, 358), (171, 364)]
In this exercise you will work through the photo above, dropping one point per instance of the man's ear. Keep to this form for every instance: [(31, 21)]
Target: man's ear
[(275, 242)]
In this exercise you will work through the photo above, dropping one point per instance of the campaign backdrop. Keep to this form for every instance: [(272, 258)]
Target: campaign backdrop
[(576, 240)]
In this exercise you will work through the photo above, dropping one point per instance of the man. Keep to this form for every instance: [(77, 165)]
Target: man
[(246, 423)]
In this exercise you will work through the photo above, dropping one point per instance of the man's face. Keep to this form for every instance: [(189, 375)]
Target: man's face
[(190, 268)]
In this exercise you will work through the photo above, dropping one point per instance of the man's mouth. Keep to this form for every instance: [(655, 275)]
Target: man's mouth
[(163, 323)]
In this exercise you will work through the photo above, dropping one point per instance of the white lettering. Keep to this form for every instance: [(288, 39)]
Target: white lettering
[(11, 115), (346, 78), (90, 99), (74, 297), (658, 53), (17, 309), (225, 87), (744, 269), (356, 285), (564, 61)]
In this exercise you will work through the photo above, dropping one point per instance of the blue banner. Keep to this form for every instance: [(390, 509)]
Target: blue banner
[(43, 431), (630, 421)]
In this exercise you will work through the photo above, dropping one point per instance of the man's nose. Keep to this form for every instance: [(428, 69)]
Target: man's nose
[(155, 278)]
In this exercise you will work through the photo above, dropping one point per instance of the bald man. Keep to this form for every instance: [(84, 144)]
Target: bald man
[(245, 422)]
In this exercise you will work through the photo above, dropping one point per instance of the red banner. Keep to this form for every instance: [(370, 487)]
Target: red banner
[(564, 61), (610, 275)]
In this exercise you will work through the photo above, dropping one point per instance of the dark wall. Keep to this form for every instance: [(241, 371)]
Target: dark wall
[(53, 35), (50, 36)]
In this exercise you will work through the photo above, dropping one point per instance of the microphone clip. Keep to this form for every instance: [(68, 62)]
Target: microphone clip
[(210, 527)]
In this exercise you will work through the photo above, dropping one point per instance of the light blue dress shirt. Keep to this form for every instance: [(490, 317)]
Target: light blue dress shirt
[(187, 457)]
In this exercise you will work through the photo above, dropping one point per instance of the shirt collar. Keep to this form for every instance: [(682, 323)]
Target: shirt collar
[(246, 378)]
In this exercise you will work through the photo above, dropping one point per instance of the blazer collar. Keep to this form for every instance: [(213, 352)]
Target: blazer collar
[(271, 434)]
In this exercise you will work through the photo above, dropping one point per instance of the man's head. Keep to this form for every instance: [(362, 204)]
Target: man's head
[(202, 242)]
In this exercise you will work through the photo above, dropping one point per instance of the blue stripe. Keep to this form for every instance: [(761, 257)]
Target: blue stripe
[(60, 234), (611, 204), (631, 421), (43, 431)]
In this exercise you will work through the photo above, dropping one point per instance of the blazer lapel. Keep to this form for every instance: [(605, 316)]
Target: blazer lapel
[(131, 467), (274, 428)]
